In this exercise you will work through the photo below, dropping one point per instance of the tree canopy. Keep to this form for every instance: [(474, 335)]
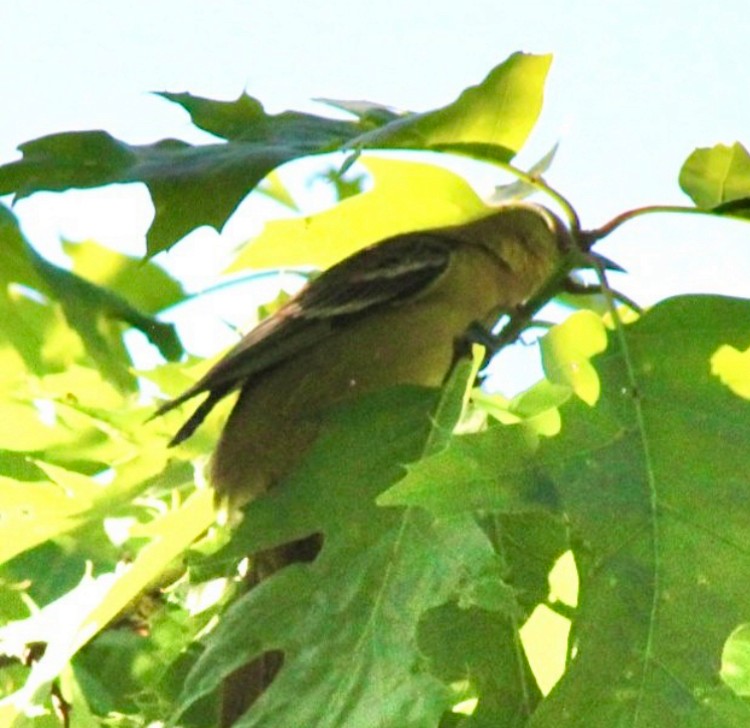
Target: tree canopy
[(610, 498)]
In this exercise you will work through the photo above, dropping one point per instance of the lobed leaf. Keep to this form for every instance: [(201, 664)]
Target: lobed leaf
[(193, 186), (349, 623), (654, 482)]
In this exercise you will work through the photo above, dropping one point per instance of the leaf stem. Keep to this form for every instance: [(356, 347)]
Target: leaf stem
[(592, 236), (537, 181)]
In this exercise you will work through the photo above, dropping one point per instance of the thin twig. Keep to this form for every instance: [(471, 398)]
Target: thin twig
[(592, 236), (538, 182)]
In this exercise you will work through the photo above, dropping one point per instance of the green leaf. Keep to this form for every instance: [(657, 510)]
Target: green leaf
[(68, 623), (132, 278), (380, 570), (35, 338), (491, 120), (92, 311), (567, 349), (718, 178), (492, 470), (654, 483), (127, 669), (62, 430), (408, 190), (480, 644), (245, 120), (34, 513), (479, 649), (539, 398), (192, 186), (454, 401), (177, 175)]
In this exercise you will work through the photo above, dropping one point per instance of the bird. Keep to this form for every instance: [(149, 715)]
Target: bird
[(398, 312)]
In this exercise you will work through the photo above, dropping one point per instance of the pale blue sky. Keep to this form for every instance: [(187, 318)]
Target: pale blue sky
[(634, 87)]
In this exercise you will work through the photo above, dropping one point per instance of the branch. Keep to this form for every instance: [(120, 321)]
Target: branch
[(589, 237)]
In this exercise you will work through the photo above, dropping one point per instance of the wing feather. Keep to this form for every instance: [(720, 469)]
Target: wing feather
[(385, 274)]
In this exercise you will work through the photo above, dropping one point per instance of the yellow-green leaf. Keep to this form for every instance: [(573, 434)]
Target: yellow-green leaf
[(566, 351), (414, 195)]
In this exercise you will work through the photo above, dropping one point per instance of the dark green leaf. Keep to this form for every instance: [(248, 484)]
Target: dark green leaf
[(193, 186), (380, 571), (190, 186), (245, 120), (654, 480), (480, 649), (61, 161), (530, 544), (493, 470)]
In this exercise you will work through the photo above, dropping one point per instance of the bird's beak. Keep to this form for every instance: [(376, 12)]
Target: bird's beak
[(606, 263)]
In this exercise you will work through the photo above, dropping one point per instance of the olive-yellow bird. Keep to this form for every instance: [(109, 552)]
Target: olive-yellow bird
[(396, 312)]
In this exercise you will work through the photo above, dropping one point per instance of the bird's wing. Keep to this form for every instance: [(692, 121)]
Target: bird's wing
[(388, 273)]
